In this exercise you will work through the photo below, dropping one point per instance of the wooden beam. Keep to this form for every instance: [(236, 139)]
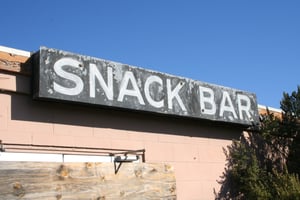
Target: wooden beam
[(135, 181), (15, 63)]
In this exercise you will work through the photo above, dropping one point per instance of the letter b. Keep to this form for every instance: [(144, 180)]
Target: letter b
[(207, 101)]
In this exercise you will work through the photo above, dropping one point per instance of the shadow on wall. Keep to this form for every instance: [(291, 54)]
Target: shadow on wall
[(26, 109)]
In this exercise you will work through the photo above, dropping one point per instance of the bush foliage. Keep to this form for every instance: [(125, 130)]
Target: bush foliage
[(265, 162)]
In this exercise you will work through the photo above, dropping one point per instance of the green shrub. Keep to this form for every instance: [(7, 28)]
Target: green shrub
[(265, 162)]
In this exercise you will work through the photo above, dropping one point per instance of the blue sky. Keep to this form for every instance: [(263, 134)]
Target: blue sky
[(247, 45)]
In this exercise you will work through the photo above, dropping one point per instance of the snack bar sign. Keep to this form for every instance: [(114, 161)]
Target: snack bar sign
[(65, 76)]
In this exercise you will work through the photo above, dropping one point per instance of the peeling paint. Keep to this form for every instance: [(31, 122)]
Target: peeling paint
[(76, 78)]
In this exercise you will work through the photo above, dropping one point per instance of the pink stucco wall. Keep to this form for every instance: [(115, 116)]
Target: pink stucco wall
[(192, 147)]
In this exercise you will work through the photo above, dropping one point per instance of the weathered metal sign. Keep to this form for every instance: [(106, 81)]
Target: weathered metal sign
[(61, 75)]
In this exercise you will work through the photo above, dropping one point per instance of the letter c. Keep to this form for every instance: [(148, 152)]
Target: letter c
[(149, 81)]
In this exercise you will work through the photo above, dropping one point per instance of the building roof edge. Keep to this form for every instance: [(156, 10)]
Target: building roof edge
[(15, 51), (269, 108)]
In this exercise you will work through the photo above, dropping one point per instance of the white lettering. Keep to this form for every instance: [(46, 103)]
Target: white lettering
[(207, 101), (58, 68), (227, 106), (174, 93), (244, 107), (129, 77), (107, 88), (149, 81)]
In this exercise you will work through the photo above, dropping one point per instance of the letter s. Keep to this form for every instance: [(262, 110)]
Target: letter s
[(67, 75)]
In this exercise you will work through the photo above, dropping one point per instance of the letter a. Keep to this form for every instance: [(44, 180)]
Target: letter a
[(135, 92)]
